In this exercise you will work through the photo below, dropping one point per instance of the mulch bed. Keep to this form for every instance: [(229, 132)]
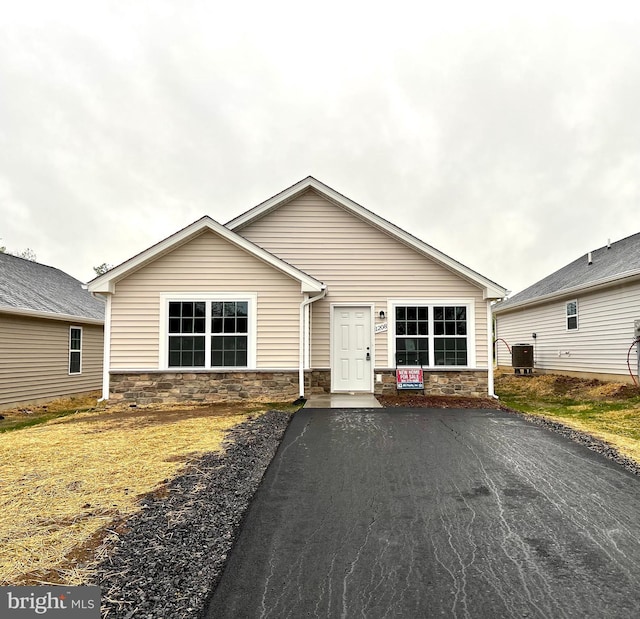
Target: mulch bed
[(437, 401), (170, 555)]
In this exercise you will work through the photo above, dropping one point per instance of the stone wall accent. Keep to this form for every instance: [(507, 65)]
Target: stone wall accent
[(203, 387), (317, 381), (474, 383), (206, 386)]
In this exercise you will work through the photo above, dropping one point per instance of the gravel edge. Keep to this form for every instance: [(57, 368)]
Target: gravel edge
[(577, 436), (173, 551)]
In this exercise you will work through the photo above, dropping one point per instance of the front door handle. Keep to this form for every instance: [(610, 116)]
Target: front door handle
[(368, 354)]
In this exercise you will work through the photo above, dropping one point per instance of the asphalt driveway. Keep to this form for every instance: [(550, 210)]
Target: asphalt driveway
[(434, 513)]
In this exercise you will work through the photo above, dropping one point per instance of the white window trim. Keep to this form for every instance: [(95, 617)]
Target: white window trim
[(431, 302), (71, 327), (252, 300), (567, 315)]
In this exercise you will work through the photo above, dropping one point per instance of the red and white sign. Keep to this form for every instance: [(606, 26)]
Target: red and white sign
[(409, 378)]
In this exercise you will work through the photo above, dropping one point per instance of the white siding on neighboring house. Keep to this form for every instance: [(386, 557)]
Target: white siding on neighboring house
[(205, 264), (34, 359), (360, 264), (599, 345)]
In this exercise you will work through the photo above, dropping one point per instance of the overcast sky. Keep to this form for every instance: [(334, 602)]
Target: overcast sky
[(505, 134)]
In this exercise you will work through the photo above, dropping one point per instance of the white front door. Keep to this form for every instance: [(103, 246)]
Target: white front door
[(352, 362)]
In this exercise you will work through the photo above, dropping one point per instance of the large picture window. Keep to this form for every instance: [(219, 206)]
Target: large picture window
[(208, 333), (431, 335)]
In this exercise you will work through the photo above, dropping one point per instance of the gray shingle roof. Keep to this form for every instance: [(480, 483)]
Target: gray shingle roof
[(620, 259), (26, 285)]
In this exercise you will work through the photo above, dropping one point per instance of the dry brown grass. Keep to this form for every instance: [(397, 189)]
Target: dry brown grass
[(64, 481)]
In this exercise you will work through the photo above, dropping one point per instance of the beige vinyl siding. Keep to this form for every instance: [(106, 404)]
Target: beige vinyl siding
[(205, 264), (360, 264), (599, 345), (34, 359)]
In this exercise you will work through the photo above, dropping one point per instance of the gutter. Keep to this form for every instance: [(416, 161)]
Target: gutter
[(303, 323), (569, 292), (490, 349), (19, 311), (106, 344)]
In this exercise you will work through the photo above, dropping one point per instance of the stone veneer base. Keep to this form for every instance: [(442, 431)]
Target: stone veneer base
[(471, 383), (205, 387)]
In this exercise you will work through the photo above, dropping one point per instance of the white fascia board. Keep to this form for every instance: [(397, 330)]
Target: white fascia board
[(491, 290), (19, 311), (605, 282), (106, 283)]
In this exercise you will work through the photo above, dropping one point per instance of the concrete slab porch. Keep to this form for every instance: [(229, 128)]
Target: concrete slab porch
[(342, 400)]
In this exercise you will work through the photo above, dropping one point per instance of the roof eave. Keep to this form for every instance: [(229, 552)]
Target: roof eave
[(105, 284), (570, 292), (30, 313)]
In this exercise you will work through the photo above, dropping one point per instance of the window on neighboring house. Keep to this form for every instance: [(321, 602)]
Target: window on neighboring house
[(75, 350), (572, 315), (431, 335), (208, 334)]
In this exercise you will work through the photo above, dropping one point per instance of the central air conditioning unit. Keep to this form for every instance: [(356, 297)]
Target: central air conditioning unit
[(522, 358)]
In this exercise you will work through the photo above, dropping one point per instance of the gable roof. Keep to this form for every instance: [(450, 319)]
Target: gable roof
[(609, 265), (34, 289), (490, 288), (106, 283)]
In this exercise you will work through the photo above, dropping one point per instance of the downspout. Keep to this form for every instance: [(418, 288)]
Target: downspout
[(491, 392), (303, 330), (106, 357)]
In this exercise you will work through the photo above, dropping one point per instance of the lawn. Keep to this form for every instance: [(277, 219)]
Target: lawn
[(66, 481), (608, 411)]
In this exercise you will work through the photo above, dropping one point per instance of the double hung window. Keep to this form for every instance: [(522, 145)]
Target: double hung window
[(572, 315), (431, 335), (208, 333), (75, 350)]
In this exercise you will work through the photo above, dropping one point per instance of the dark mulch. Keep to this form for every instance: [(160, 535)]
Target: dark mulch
[(417, 400), (171, 554)]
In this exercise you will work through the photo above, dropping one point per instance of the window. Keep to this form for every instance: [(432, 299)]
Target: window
[(75, 350), (187, 322), (211, 333), (572, 315), (229, 326), (412, 331), (431, 335), (450, 330)]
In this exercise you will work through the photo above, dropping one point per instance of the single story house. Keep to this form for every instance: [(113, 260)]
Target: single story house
[(51, 334), (307, 292), (582, 320)]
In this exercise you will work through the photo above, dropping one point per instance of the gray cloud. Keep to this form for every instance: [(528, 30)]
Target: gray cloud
[(507, 141)]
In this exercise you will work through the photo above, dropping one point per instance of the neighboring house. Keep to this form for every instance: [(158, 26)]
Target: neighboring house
[(583, 315), (51, 334), (307, 292)]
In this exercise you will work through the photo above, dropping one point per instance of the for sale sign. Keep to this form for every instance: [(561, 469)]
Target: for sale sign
[(409, 378)]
